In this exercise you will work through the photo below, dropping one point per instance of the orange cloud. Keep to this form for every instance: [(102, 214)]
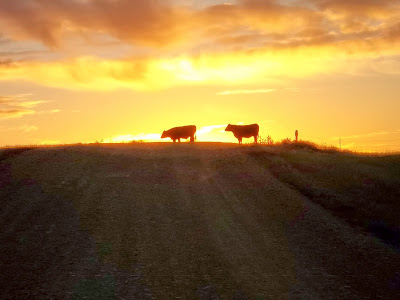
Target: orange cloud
[(247, 40), (261, 67), (358, 7), (248, 24)]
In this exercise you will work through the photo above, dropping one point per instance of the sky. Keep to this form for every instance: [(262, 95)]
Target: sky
[(119, 70)]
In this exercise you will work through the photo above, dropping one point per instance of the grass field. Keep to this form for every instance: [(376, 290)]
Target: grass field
[(364, 190), (202, 221)]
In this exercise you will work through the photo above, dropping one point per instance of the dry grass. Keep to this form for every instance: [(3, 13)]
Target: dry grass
[(361, 189)]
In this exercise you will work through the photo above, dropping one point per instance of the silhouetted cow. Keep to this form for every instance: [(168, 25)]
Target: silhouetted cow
[(241, 131), (178, 133)]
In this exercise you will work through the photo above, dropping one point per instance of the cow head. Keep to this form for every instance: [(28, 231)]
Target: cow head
[(228, 128), (164, 134)]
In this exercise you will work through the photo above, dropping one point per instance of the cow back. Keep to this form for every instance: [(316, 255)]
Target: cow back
[(245, 130), (182, 131)]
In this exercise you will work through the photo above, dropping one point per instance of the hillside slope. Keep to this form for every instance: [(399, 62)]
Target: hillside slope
[(203, 221)]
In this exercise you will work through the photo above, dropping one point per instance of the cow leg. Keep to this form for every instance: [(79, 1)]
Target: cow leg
[(255, 139), (240, 140), (192, 138), (179, 140), (174, 140)]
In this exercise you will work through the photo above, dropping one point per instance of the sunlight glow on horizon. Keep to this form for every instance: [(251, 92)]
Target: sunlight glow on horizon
[(210, 133), (327, 68)]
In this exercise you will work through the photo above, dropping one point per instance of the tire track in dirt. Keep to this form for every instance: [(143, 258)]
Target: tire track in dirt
[(244, 233)]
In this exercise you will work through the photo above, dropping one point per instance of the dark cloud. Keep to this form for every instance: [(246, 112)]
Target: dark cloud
[(147, 22), (142, 21), (4, 63), (393, 32)]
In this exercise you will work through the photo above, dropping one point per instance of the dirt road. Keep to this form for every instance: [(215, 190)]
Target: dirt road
[(165, 221)]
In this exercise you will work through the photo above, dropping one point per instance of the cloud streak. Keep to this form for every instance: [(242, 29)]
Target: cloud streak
[(366, 135), (205, 133), (14, 113), (16, 106), (23, 128), (255, 91)]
